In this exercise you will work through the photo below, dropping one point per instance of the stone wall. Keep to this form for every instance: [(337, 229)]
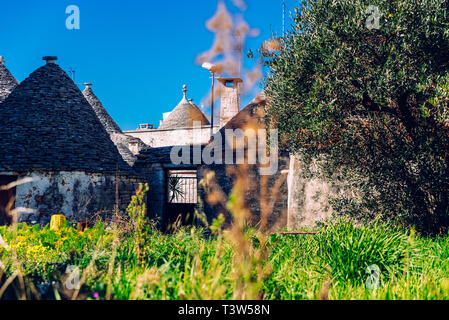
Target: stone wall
[(77, 195), (308, 199), (156, 138), (155, 176), (274, 191), (300, 202)]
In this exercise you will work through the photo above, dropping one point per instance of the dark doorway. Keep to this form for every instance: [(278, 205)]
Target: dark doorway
[(7, 199), (182, 198)]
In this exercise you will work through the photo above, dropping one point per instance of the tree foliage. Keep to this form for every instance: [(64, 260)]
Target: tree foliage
[(372, 102)]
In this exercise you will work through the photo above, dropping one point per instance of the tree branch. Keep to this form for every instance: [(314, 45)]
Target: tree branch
[(370, 105)]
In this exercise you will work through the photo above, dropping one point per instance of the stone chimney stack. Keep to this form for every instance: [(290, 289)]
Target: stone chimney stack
[(2, 60), (230, 99), (50, 59)]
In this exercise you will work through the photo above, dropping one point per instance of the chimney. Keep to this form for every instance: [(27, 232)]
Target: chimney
[(2, 60), (230, 99), (88, 85), (50, 59)]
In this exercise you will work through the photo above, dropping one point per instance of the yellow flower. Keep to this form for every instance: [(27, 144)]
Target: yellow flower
[(445, 284)]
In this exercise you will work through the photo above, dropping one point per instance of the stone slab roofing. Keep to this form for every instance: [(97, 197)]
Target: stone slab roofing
[(7, 82), (253, 115), (109, 124), (160, 155), (184, 115), (48, 125), (120, 140)]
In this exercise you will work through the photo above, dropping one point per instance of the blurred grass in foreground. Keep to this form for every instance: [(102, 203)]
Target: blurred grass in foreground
[(192, 265)]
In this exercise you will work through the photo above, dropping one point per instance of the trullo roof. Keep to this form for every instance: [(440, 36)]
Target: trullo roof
[(184, 116), (48, 125)]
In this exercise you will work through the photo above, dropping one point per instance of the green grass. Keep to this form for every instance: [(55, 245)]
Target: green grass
[(189, 265)]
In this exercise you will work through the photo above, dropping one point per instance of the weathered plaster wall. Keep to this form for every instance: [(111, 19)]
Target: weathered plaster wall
[(275, 191), (155, 175), (77, 195), (308, 199), (176, 137)]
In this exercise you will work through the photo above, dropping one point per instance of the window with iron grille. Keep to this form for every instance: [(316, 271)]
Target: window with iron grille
[(182, 186)]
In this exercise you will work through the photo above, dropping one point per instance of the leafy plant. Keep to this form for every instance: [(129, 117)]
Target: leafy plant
[(138, 215), (190, 265), (175, 188), (371, 103), (349, 250)]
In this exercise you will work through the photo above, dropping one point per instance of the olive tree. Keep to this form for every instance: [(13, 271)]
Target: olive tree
[(363, 85)]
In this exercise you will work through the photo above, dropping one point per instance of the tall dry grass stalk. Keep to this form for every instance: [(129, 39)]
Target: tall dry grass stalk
[(17, 275), (250, 262), (230, 34)]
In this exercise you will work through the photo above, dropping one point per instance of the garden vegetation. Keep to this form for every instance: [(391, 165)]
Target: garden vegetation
[(134, 260), (370, 104)]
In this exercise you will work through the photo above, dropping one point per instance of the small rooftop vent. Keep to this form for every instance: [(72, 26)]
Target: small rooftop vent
[(146, 126)]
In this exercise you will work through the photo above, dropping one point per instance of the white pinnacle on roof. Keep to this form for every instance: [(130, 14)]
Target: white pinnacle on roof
[(184, 115)]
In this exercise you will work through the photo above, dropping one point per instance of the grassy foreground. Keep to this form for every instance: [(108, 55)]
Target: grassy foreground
[(120, 263)]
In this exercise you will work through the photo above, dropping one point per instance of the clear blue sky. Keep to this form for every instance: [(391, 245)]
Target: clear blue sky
[(138, 53)]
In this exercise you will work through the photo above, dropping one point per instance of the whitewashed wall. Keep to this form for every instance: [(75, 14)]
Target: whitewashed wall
[(76, 195), (176, 137), (308, 199)]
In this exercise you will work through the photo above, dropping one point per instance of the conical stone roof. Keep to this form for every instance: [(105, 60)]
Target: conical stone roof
[(48, 125), (117, 136), (108, 123), (7, 82), (184, 116)]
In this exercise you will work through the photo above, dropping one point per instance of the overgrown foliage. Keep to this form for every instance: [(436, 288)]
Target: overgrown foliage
[(137, 213), (350, 250), (371, 103), (190, 265)]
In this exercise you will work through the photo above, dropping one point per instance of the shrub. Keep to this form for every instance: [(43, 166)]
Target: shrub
[(371, 102), (349, 250)]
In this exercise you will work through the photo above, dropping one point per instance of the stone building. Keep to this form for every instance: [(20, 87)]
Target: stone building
[(185, 125), (159, 169), (64, 154), (58, 152), (282, 199), (260, 190)]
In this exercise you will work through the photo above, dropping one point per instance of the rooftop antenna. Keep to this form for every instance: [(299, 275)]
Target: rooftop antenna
[(283, 17), (72, 73), (213, 70)]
